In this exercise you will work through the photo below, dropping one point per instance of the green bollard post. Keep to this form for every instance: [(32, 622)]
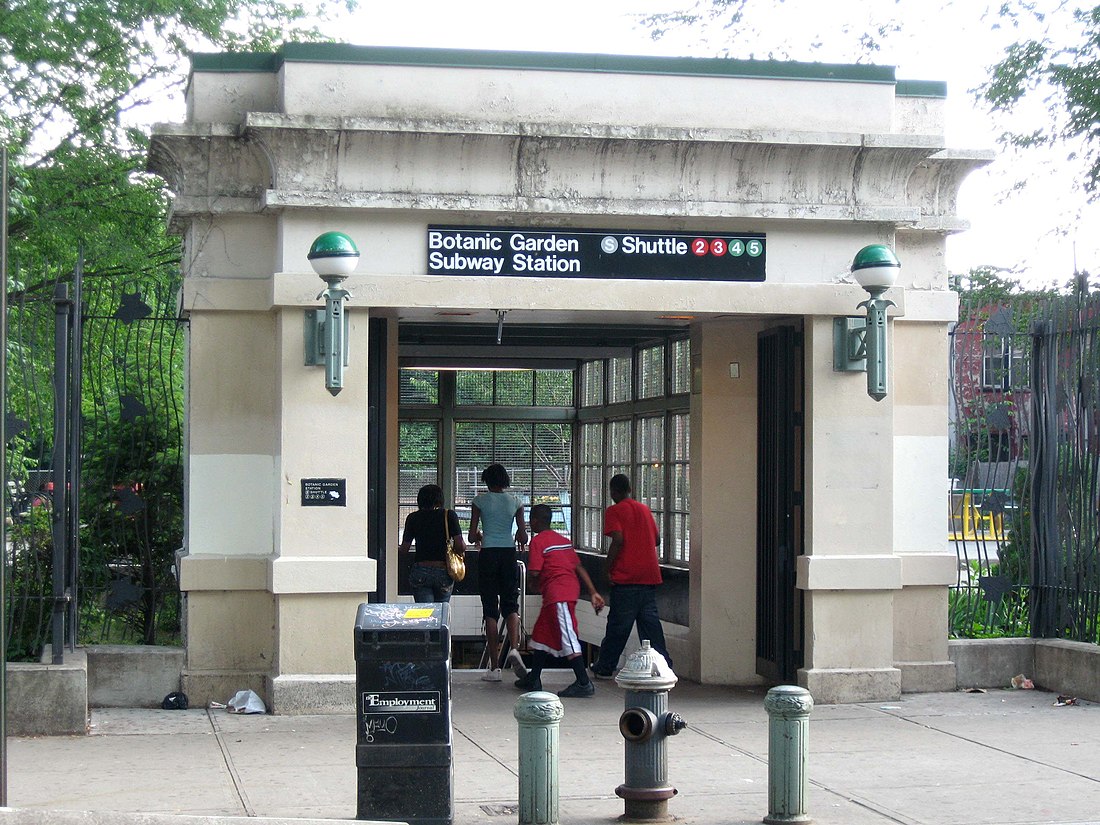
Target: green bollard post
[(538, 714), (788, 710)]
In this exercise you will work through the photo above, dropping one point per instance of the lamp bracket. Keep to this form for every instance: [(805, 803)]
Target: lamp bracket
[(850, 344), (315, 337)]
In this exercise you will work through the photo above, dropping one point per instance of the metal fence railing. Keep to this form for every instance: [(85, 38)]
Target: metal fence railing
[(1024, 515), (122, 500)]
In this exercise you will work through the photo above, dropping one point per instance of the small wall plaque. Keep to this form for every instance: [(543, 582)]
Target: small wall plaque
[(324, 492)]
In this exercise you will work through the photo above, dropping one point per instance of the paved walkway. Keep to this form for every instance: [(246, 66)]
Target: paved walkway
[(997, 757)]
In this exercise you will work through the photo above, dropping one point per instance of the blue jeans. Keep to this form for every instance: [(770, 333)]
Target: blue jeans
[(430, 584), (630, 604)]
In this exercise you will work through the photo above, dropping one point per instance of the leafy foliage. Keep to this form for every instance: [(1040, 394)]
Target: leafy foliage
[(75, 77), (72, 69), (1064, 78)]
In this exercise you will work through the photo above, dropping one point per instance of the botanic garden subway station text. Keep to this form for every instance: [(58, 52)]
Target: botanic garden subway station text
[(563, 275), (595, 254)]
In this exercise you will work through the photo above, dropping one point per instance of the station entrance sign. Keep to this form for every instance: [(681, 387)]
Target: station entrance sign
[(596, 253)]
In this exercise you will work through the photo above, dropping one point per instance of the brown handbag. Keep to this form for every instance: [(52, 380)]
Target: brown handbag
[(456, 564)]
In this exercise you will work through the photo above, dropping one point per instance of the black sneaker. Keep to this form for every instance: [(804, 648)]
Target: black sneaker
[(602, 674), (529, 682), (578, 691)]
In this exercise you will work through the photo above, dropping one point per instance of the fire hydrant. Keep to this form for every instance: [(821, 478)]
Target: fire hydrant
[(646, 725)]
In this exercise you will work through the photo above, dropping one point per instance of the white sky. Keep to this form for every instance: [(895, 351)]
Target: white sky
[(1041, 228)]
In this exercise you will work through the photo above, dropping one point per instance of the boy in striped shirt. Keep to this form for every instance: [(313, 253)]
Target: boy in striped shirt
[(554, 564)]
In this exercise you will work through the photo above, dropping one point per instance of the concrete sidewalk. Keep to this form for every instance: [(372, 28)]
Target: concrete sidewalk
[(996, 757)]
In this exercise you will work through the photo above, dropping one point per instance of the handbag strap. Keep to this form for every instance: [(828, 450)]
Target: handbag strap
[(446, 527)]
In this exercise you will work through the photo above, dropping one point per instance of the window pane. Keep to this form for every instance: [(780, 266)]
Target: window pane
[(418, 386), (418, 462), (681, 432), (590, 487), (515, 388), (678, 549), (554, 388), (651, 439), (473, 453), (618, 446), (619, 384), (681, 366), (474, 387), (592, 383), (553, 473), (592, 443), (650, 484), (651, 372)]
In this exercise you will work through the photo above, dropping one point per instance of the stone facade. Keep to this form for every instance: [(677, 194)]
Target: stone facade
[(381, 143)]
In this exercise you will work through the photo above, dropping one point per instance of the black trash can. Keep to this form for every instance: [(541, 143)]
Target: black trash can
[(403, 713)]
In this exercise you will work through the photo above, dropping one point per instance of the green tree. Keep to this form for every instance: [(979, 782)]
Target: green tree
[(1060, 68), (75, 79)]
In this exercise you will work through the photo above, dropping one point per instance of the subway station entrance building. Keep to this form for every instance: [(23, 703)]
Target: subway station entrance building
[(576, 265)]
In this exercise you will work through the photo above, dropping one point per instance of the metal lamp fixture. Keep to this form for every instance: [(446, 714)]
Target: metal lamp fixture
[(333, 257), (861, 343)]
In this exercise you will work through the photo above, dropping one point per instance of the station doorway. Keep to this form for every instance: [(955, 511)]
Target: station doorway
[(562, 408)]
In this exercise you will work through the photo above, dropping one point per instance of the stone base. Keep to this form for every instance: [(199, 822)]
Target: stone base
[(1068, 667), (132, 676), (927, 677), (834, 686), (48, 699), (986, 663), (205, 686), (297, 695)]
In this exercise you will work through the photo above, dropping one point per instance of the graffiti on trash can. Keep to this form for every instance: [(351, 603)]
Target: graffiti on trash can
[(406, 676), (371, 726)]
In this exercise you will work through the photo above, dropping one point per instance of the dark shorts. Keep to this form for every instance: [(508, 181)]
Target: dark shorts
[(497, 581)]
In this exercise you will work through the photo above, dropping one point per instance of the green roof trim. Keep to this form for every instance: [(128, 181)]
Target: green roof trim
[(235, 62), (921, 88), (541, 61)]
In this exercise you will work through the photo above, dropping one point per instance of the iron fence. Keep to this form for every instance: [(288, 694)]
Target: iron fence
[(103, 568), (1024, 458)]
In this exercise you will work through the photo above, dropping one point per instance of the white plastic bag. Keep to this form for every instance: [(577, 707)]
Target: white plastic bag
[(246, 701)]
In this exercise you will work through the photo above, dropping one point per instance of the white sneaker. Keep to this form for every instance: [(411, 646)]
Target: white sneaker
[(516, 661), (491, 675)]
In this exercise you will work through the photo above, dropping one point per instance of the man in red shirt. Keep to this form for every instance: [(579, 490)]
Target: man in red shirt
[(634, 572), (554, 564)]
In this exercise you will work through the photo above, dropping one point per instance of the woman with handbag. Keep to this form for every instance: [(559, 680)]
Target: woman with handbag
[(433, 529)]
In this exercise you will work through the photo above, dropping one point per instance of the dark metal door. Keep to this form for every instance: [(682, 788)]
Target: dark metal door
[(377, 365), (779, 613)]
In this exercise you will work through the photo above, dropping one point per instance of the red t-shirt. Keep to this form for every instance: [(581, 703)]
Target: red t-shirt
[(637, 560), (553, 557)]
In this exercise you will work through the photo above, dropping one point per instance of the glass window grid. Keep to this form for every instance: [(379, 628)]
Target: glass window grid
[(418, 386), (620, 374), (1004, 366), (537, 455), (592, 373), (417, 463), (651, 371), (512, 388), (651, 448), (679, 494), (679, 364)]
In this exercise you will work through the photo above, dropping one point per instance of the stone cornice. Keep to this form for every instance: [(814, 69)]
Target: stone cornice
[(275, 162)]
